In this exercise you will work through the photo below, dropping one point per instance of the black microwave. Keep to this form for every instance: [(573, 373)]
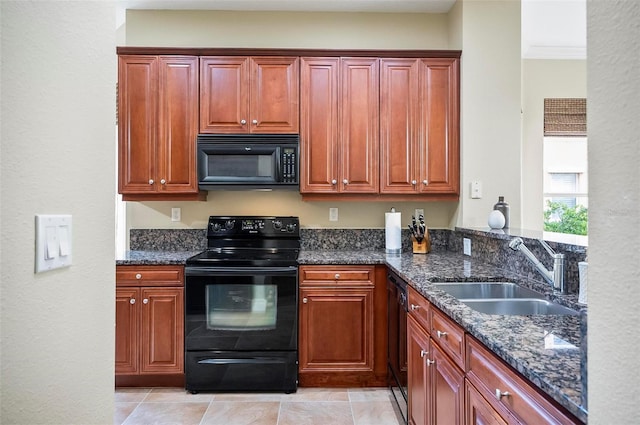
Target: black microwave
[(248, 161)]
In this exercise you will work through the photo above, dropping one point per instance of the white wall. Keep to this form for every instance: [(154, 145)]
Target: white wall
[(57, 156), (490, 109), (542, 79), (613, 109)]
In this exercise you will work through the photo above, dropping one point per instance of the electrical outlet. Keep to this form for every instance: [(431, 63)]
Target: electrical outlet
[(476, 189), (466, 246), (176, 214), (419, 212), (333, 214)]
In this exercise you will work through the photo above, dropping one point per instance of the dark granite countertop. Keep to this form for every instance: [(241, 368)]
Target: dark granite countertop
[(545, 349), (154, 257)]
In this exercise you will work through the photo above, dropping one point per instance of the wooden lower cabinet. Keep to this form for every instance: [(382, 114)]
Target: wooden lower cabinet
[(342, 335), (149, 326), (435, 383), (478, 411)]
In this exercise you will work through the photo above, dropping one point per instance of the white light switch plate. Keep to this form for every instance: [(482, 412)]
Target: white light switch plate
[(333, 214), (176, 214), (53, 242), (476, 189)]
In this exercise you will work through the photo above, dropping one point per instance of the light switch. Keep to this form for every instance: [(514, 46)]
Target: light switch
[(476, 189), (53, 242)]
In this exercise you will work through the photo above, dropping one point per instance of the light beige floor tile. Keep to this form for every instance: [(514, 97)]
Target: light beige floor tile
[(369, 394), (131, 394), (242, 413), (122, 410), (315, 413), (318, 394), (374, 413), (248, 396), (176, 395), (167, 414)]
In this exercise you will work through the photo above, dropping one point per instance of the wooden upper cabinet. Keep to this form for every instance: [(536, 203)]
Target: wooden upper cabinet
[(399, 123), (359, 125), (339, 130), (249, 94), (319, 140), (439, 138), (157, 126)]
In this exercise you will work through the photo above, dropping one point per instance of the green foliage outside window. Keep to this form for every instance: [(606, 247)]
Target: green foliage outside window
[(561, 218)]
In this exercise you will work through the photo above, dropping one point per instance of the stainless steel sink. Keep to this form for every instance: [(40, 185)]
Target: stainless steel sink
[(482, 290), (517, 306)]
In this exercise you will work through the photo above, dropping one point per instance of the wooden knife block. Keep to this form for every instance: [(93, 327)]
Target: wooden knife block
[(423, 247)]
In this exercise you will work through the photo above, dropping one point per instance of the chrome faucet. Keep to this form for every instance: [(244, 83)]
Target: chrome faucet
[(555, 277)]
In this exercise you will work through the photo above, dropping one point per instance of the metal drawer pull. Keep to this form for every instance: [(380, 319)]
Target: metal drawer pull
[(337, 276), (305, 300), (500, 394), (138, 276), (441, 334), (243, 122), (423, 353), (430, 362), (132, 301), (415, 307), (145, 301)]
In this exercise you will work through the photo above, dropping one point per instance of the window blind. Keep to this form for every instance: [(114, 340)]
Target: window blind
[(565, 117)]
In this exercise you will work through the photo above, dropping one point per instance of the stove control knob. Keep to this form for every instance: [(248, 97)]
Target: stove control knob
[(277, 224), (230, 224), (216, 227), (291, 227)]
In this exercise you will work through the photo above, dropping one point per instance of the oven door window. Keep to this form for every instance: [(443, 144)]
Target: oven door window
[(242, 307)]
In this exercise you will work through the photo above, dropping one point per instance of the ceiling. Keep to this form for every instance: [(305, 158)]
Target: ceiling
[(551, 29)]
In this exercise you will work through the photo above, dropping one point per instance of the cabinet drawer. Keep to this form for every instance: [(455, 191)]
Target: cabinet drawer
[(322, 275), (494, 379), (448, 335), (419, 307), (149, 275)]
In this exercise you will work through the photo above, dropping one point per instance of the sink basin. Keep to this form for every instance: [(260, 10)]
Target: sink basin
[(482, 290), (517, 306)]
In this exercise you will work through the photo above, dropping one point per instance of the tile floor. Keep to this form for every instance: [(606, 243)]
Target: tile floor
[(308, 406)]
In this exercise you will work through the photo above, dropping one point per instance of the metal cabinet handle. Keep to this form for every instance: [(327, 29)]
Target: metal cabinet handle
[(150, 181), (345, 181), (255, 121), (441, 334), (334, 182), (415, 307), (243, 122), (423, 353), (305, 300), (425, 182), (337, 276), (413, 182), (500, 394), (430, 362), (163, 181), (132, 301), (145, 301), (138, 276)]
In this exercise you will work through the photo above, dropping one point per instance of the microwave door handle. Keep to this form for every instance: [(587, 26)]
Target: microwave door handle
[(279, 174)]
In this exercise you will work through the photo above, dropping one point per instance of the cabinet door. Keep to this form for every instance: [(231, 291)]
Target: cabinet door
[(478, 411), (439, 133), (325, 310), (319, 125), (359, 125), (417, 385), (399, 124), (448, 389), (137, 123), (162, 330), (178, 124), (127, 313), (224, 94), (274, 95)]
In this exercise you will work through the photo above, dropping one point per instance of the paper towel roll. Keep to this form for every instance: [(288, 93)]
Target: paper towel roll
[(392, 232)]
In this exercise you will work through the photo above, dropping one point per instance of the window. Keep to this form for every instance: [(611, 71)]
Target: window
[(565, 166)]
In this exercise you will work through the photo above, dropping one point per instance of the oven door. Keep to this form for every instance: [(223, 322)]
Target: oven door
[(241, 309)]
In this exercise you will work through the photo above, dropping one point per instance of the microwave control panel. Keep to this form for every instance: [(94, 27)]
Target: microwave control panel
[(289, 165)]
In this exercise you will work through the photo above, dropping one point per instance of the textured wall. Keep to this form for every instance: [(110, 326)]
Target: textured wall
[(57, 157), (613, 109)]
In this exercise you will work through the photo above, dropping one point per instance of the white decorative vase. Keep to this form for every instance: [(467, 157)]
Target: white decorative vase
[(496, 220)]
